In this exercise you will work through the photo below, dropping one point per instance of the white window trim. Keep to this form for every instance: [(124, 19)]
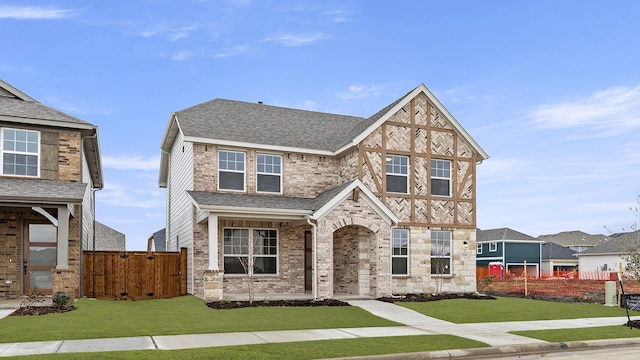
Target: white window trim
[(401, 256), (443, 178), (266, 173), (244, 172), (250, 254), (493, 246), (450, 256), (2, 152), (399, 174), (479, 249)]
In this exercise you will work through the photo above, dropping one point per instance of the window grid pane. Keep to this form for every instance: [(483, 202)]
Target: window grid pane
[(231, 170), (20, 152), (269, 171), (441, 252), (259, 257), (400, 252)]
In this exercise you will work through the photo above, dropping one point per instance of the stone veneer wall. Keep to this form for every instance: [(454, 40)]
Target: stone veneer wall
[(420, 280), (297, 170), (290, 277)]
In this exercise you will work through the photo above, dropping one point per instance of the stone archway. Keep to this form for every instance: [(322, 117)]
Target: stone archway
[(352, 247)]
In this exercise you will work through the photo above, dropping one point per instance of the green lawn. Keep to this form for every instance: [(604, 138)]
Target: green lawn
[(582, 334), (510, 309), (297, 350), (184, 315)]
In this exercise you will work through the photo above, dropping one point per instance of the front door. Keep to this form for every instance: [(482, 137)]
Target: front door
[(39, 257), (308, 261)]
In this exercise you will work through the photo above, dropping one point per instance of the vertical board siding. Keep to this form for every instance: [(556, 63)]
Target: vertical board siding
[(134, 275)]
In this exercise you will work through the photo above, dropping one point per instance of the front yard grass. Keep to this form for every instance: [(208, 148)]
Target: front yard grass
[(462, 311), (581, 334), (295, 350), (183, 315)]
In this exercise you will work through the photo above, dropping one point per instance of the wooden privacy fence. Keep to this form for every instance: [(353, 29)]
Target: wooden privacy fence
[(134, 275)]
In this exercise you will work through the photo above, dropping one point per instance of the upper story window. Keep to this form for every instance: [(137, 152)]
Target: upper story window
[(397, 174), (493, 246), (441, 177), (231, 170), (479, 249), (400, 252), (269, 173), (20, 152)]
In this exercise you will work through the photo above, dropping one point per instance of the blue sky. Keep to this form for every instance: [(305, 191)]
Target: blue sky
[(549, 89)]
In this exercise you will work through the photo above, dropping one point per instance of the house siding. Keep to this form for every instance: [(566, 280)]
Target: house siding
[(180, 216), (88, 207)]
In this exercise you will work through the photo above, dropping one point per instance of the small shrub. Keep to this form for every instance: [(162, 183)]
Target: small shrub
[(61, 300)]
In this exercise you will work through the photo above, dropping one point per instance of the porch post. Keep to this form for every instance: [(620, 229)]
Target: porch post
[(63, 238), (213, 241)]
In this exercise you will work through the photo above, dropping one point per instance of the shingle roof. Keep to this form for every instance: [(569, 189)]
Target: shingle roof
[(262, 124), (501, 234), (554, 251), (574, 238), (14, 107), (41, 191), (618, 244), (265, 201)]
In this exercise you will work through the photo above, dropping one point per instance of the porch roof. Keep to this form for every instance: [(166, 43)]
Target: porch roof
[(36, 191), (314, 208)]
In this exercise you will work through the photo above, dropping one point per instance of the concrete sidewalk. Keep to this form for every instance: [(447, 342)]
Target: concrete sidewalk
[(494, 334)]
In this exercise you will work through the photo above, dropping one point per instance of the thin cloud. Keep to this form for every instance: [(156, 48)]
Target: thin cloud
[(612, 110), (233, 51), (35, 13), (131, 162), (339, 16), (358, 92), (182, 55), (295, 40), (168, 32), (143, 196)]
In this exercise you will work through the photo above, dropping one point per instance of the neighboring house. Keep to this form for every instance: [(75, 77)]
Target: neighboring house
[(159, 241), (302, 203), (49, 169), (108, 239), (602, 261), (558, 260), (511, 248), (574, 240)]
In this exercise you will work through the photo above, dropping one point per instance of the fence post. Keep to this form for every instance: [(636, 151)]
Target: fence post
[(526, 290)]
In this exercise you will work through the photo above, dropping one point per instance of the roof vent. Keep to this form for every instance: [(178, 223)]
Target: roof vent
[(260, 102)]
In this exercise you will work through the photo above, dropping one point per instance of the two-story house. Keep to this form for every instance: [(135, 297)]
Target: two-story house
[(49, 169), (289, 202)]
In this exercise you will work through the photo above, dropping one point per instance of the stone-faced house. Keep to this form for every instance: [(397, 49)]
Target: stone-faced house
[(49, 167), (303, 203)]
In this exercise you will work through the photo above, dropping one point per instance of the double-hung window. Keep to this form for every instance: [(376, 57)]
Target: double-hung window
[(250, 251), (269, 173), (479, 249), (231, 170), (493, 246), (440, 252), (397, 173), (440, 177), (400, 252), (20, 152)]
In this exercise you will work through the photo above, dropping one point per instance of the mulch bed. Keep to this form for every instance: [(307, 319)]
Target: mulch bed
[(262, 303), (41, 310), (435, 297)]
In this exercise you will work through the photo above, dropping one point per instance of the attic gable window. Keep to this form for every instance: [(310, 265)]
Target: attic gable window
[(20, 152), (269, 173), (397, 173), (231, 170), (441, 177)]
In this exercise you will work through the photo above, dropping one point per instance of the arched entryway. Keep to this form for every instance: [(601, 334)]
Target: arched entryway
[(353, 261)]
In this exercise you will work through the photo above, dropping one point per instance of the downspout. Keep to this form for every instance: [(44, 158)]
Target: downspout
[(93, 213), (314, 257)]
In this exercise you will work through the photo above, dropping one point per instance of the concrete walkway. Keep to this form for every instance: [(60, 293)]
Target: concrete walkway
[(494, 334)]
